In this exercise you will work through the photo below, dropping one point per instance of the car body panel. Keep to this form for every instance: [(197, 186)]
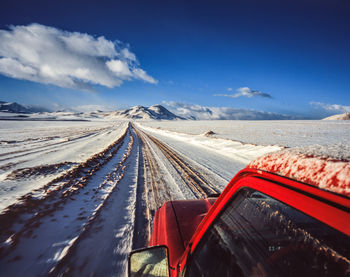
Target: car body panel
[(175, 223)]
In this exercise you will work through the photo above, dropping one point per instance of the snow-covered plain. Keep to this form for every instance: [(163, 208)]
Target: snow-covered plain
[(77, 196), (286, 133)]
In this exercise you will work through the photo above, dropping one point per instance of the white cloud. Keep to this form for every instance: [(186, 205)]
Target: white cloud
[(15, 69), (221, 113), (246, 92), (74, 60), (119, 68), (142, 75), (127, 54), (332, 107)]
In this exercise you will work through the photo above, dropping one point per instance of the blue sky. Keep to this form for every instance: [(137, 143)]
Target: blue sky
[(202, 53)]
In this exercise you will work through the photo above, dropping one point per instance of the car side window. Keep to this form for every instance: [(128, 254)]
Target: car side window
[(257, 235)]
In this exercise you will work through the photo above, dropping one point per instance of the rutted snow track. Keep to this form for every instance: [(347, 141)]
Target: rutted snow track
[(33, 154), (194, 180), (87, 220)]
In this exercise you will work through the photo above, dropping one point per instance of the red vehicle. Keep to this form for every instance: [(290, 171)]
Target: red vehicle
[(262, 224)]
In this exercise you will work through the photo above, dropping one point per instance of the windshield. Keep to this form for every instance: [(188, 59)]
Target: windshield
[(257, 235)]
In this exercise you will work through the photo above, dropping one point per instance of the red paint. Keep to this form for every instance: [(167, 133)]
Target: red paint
[(175, 223)]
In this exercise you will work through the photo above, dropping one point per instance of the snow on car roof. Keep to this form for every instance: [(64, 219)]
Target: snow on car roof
[(324, 166)]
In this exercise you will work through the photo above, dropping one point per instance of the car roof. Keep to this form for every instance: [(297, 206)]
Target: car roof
[(316, 166)]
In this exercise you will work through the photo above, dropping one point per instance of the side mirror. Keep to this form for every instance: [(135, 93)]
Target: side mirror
[(149, 262)]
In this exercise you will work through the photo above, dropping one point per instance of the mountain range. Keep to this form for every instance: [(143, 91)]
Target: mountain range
[(13, 107), (155, 112)]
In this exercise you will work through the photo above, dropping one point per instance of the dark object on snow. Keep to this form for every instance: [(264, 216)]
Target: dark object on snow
[(209, 133)]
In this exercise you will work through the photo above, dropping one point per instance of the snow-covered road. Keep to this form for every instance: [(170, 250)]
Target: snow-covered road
[(77, 197)]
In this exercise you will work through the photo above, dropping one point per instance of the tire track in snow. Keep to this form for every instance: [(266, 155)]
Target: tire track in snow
[(50, 146), (194, 179), (152, 192), (157, 191), (12, 189), (218, 168), (143, 214), (82, 190), (103, 248)]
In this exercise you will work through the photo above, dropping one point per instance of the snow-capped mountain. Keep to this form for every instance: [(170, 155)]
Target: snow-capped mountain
[(162, 113), (140, 112), (13, 107), (344, 116)]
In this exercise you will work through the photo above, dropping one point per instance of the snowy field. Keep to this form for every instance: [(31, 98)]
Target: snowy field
[(274, 132), (76, 197)]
